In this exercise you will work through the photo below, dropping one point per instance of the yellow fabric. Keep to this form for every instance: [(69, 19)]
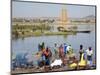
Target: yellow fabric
[(73, 65), (82, 61)]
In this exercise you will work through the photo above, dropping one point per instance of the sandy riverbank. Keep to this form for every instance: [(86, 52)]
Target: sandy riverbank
[(43, 69)]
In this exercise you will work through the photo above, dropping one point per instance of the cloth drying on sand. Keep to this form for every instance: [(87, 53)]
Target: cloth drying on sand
[(56, 62)]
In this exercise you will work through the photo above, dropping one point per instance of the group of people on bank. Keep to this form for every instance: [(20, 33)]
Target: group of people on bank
[(88, 52), (46, 56), (63, 51)]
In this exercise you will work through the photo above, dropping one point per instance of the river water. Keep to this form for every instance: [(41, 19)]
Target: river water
[(30, 44)]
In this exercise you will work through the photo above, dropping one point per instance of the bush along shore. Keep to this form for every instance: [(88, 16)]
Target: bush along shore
[(39, 33), (36, 30)]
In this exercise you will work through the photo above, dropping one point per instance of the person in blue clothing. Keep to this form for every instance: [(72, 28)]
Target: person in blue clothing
[(65, 48), (43, 57)]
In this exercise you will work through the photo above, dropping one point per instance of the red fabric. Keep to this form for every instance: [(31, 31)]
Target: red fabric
[(46, 53)]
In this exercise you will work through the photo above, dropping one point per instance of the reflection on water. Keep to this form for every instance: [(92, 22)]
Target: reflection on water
[(30, 44)]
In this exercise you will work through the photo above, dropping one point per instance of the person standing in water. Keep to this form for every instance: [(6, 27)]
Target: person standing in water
[(65, 48), (43, 46), (61, 52), (81, 51), (55, 50), (48, 55), (39, 47), (89, 53), (69, 49)]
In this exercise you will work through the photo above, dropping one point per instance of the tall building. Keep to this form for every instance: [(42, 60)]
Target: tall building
[(63, 20)]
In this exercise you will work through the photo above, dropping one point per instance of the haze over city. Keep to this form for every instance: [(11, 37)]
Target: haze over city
[(30, 9)]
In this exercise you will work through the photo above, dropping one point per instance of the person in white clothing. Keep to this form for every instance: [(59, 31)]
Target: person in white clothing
[(69, 49), (89, 53)]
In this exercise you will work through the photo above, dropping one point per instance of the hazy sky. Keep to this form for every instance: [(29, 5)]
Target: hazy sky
[(29, 9)]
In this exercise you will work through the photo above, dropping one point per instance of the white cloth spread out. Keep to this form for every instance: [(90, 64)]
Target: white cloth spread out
[(56, 62)]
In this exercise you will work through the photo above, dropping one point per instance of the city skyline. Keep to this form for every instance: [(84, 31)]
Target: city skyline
[(28, 9)]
